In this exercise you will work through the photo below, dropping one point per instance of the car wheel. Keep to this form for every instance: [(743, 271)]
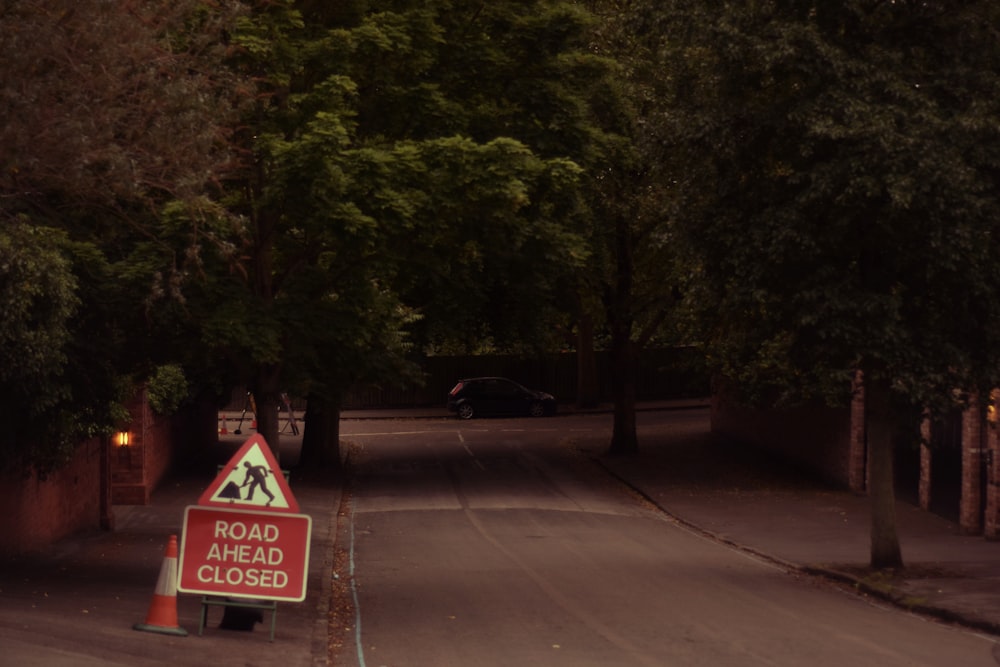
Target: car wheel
[(466, 411), (536, 409)]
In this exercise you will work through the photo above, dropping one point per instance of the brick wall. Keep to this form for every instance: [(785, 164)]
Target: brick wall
[(971, 511), (991, 528), (37, 512), (830, 443), (857, 462), (926, 483), (816, 438), (137, 469)]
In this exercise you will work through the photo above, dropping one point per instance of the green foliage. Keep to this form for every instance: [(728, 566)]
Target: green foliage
[(99, 132), (37, 301), (844, 159), (389, 201), (52, 391), (167, 388), (477, 75)]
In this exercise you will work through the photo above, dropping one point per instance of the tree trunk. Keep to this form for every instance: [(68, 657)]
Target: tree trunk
[(266, 389), (267, 397), (885, 548), (586, 364), (321, 437), (624, 352), (624, 439)]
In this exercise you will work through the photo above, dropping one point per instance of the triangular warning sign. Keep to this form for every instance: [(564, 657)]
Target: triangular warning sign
[(251, 480)]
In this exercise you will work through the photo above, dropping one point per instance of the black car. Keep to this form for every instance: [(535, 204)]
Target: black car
[(498, 396)]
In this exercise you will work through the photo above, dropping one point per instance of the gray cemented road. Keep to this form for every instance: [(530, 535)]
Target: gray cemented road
[(491, 543)]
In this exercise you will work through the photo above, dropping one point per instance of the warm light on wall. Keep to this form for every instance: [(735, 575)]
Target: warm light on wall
[(122, 438)]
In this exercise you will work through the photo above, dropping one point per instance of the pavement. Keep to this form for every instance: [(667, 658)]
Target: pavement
[(76, 604), (763, 506)]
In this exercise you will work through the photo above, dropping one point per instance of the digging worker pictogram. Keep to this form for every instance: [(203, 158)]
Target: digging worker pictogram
[(257, 477)]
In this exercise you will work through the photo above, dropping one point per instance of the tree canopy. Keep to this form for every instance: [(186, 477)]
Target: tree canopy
[(848, 157), (292, 193), (92, 119), (99, 133), (842, 164), (299, 195), (409, 174)]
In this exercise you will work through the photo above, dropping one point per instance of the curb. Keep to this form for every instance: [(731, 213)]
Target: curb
[(893, 595), (899, 599), (695, 528)]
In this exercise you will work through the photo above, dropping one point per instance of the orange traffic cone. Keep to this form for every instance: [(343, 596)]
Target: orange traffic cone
[(222, 429), (162, 616)]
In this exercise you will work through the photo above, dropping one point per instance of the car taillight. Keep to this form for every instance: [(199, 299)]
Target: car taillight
[(455, 389)]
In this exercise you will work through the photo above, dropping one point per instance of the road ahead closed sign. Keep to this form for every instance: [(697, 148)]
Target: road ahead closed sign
[(243, 554)]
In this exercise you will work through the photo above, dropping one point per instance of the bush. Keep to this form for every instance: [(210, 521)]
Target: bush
[(167, 388)]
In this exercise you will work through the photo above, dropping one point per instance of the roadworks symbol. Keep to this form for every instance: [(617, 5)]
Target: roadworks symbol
[(250, 480)]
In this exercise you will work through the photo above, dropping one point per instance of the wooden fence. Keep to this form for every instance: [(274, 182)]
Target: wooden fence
[(665, 373)]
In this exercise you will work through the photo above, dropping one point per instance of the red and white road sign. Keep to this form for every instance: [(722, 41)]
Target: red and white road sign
[(251, 480), (244, 554)]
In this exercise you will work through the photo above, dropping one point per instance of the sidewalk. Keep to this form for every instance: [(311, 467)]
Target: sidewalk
[(735, 496), (76, 605)]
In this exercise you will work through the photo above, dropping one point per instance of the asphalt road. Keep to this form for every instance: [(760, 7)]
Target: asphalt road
[(494, 543)]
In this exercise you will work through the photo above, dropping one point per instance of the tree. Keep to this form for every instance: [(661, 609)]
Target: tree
[(37, 299), (517, 70), (94, 120), (842, 161), (99, 133), (634, 274), (407, 175)]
